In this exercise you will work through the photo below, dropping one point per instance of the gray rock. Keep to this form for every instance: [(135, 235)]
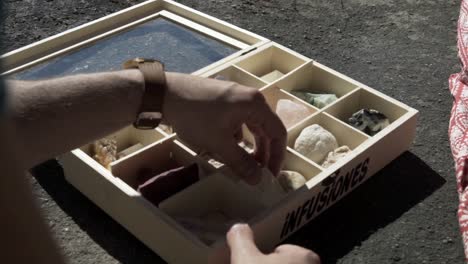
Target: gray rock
[(317, 100), (369, 121)]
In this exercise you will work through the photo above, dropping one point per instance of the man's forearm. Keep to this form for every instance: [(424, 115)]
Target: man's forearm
[(53, 116)]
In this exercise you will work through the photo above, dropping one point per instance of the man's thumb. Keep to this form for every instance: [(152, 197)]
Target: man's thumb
[(240, 239)]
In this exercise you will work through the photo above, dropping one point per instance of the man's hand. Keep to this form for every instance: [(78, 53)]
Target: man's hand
[(244, 251), (208, 115)]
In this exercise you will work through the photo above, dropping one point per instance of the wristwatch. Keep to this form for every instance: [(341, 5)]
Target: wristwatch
[(150, 113)]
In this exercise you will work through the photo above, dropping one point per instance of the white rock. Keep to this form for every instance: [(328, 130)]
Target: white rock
[(315, 143), (335, 155), (290, 112), (291, 180)]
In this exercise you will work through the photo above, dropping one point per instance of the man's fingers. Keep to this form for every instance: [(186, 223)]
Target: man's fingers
[(262, 150), (300, 254), (238, 135), (241, 162), (277, 154), (240, 239), (263, 117)]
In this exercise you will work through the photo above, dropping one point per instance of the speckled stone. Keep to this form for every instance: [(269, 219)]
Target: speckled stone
[(104, 151), (369, 121)]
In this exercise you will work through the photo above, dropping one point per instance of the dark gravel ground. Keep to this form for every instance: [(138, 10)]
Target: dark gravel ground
[(404, 48)]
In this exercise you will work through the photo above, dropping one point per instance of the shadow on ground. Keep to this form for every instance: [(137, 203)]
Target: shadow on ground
[(401, 185), (100, 227), (382, 199)]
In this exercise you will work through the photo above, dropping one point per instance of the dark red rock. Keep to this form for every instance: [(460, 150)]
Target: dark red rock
[(166, 184)]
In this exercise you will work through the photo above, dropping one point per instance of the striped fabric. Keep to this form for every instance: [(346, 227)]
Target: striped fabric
[(458, 127)]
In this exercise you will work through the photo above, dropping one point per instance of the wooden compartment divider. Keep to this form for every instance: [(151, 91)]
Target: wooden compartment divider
[(239, 75)]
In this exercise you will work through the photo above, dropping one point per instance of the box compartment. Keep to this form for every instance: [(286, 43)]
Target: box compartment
[(216, 194), (315, 78), (129, 140), (240, 76), (298, 163), (273, 94), (364, 98), (272, 63), (344, 134), (126, 206), (157, 158)]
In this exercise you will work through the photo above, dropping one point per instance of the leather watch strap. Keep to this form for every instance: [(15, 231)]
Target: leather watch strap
[(150, 113)]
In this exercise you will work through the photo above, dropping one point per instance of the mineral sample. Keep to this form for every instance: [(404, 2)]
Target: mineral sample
[(104, 151), (160, 187), (315, 143), (317, 100), (291, 180), (290, 112), (335, 155), (369, 121)]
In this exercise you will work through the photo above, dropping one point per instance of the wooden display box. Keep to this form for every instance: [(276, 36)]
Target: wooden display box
[(256, 62)]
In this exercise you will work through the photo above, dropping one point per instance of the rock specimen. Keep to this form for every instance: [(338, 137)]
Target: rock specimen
[(291, 180), (335, 155), (104, 151), (290, 112), (160, 187), (315, 143), (209, 228), (369, 121), (317, 100)]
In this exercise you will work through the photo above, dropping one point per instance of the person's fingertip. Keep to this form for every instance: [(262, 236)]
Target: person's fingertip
[(277, 155), (239, 229), (240, 239)]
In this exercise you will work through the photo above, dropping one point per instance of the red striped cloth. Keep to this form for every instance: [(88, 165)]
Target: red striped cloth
[(458, 127)]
